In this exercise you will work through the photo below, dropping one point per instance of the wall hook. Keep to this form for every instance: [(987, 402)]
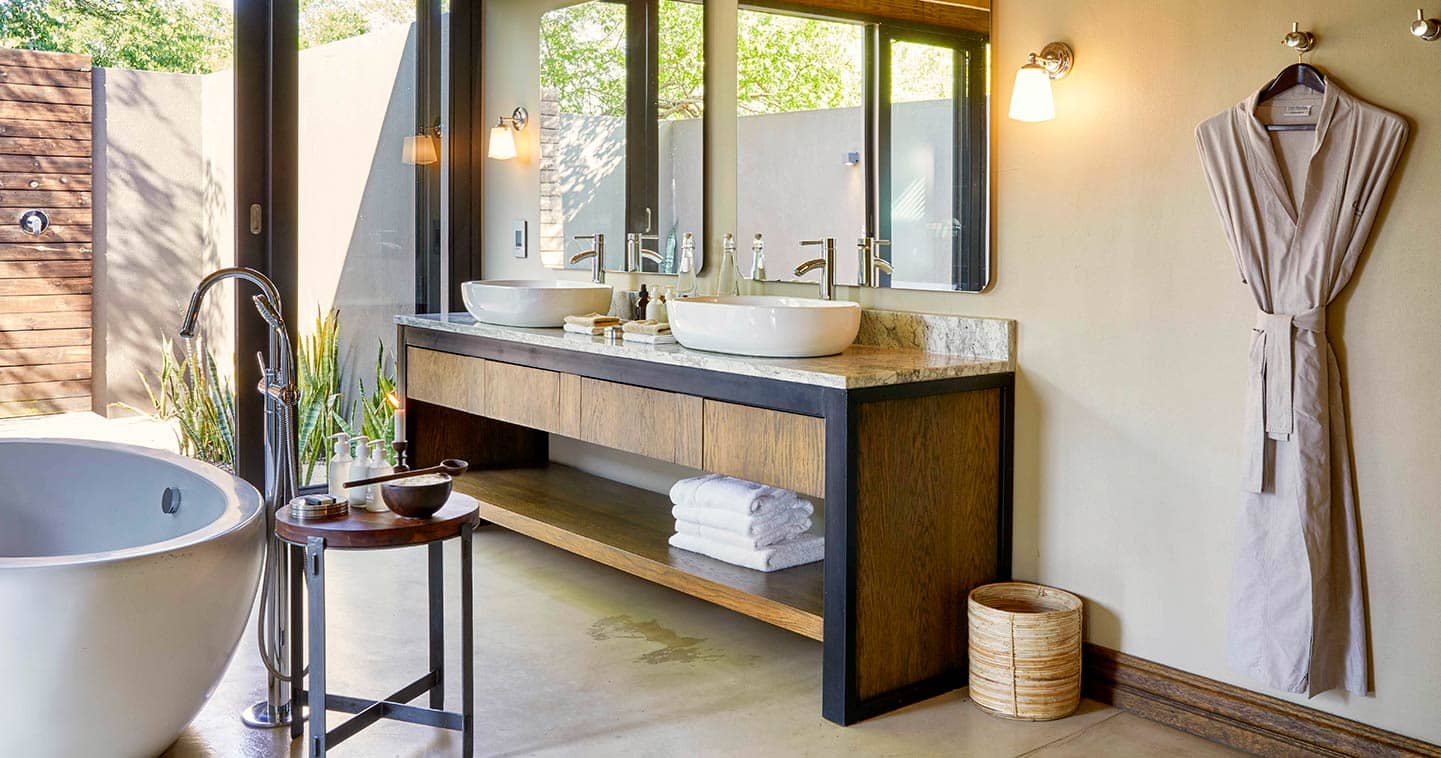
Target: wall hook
[(1301, 42), (1428, 29)]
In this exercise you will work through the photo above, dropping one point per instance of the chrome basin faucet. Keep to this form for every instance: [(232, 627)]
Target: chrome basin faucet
[(871, 264), (596, 255), (827, 264), (277, 385), (636, 253)]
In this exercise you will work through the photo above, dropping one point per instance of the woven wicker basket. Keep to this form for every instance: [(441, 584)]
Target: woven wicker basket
[(1025, 650)]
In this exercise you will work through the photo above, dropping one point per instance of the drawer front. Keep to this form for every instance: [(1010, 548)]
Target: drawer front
[(452, 381), (525, 396), (653, 423), (781, 449)]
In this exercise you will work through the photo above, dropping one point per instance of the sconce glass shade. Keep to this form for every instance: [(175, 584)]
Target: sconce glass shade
[(419, 150), (1031, 98), (502, 143)]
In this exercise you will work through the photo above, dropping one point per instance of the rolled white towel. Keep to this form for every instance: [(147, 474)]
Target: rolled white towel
[(731, 494), (801, 550), (761, 539), (746, 524)]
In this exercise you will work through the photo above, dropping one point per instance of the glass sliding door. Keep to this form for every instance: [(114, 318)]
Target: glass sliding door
[(368, 234)]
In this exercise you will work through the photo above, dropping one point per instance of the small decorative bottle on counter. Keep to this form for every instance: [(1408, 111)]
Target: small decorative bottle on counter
[(728, 280), (685, 283), (641, 301)]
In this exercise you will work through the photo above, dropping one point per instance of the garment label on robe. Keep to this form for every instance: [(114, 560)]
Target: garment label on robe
[(1297, 110)]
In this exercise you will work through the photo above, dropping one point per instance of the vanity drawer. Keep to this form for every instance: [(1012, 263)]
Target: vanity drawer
[(653, 423), (452, 381), (781, 449), (525, 396)]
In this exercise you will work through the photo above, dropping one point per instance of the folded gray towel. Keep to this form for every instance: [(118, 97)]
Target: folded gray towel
[(801, 550)]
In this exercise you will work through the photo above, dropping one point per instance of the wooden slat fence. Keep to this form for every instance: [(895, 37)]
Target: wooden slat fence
[(46, 163)]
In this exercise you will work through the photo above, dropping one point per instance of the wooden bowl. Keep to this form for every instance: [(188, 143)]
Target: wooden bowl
[(416, 500)]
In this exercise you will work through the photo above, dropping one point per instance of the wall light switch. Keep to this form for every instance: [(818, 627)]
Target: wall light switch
[(521, 241)]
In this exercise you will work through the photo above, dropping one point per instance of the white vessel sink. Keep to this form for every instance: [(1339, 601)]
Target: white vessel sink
[(772, 327), (532, 302)]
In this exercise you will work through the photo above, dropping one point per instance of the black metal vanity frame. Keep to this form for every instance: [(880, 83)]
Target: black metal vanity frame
[(842, 701)]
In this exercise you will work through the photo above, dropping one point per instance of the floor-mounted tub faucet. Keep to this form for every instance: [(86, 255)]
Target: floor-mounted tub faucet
[(827, 264), (277, 385), (596, 254)]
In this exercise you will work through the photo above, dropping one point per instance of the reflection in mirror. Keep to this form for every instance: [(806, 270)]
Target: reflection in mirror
[(621, 135), (866, 131), (582, 129), (800, 137)]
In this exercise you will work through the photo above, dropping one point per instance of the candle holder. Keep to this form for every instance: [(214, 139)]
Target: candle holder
[(399, 447)]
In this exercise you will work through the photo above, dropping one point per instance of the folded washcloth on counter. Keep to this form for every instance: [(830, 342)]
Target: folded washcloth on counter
[(795, 552), (731, 494), (796, 519), (645, 326), (592, 331), (592, 320), (649, 339), (785, 530)]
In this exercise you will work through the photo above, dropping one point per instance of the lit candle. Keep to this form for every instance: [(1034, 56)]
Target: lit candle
[(394, 401)]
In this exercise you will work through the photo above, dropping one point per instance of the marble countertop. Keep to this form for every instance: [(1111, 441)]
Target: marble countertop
[(859, 366)]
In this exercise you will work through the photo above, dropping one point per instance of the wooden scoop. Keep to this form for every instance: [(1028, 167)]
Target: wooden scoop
[(452, 466)]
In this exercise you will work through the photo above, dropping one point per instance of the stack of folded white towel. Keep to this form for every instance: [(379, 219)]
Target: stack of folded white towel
[(744, 523)]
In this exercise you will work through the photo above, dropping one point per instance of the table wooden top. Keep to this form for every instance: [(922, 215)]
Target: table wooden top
[(363, 529)]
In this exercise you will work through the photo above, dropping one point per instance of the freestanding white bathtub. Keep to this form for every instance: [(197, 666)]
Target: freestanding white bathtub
[(117, 619)]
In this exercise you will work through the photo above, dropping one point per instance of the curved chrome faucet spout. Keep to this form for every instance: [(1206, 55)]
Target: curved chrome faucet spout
[(192, 312)]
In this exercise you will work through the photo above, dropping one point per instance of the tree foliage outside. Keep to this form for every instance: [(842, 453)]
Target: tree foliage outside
[(180, 36), (784, 63)]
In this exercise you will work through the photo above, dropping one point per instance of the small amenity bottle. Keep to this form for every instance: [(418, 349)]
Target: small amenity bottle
[(378, 466), (359, 469), (728, 280), (685, 275), (758, 266), (642, 301), (337, 470)]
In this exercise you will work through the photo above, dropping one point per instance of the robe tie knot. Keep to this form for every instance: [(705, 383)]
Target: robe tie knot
[(1270, 408)]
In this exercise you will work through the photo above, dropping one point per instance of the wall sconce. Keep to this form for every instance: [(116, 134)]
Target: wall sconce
[(502, 141), (420, 148), (1031, 98)]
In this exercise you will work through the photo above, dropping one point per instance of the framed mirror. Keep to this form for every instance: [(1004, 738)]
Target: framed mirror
[(622, 121), (869, 129)]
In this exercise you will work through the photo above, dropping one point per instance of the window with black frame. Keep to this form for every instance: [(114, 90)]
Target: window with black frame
[(884, 125)]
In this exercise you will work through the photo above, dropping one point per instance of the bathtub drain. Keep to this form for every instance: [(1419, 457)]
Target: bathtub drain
[(170, 501)]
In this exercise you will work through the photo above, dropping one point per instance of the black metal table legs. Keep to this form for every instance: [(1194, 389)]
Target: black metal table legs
[(308, 566)]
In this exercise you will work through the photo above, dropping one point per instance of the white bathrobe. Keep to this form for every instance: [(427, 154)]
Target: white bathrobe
[(1297, 207)]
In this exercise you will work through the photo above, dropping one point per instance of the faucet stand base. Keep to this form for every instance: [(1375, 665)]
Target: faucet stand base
[(263, 715)]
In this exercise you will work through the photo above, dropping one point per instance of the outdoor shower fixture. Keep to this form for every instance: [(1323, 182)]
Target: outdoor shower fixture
[(273, 622)]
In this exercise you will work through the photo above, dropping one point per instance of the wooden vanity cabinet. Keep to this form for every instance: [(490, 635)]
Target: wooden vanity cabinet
[(912, 481)]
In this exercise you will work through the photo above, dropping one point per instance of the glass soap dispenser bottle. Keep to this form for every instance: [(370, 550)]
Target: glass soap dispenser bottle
[(728, 279), (685, 275)]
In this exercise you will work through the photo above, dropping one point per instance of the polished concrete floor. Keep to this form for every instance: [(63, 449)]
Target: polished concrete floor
[(573, 658)]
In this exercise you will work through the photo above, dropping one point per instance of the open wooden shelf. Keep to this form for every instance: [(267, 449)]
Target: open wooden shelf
[(627, 528)]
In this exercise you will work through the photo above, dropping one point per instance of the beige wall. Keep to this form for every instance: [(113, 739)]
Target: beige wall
[(1133, 325)]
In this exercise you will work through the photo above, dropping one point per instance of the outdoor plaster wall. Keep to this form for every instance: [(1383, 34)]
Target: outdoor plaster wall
[(165, 208)]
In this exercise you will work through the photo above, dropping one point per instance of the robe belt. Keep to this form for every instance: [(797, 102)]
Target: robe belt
[(1271, 410)]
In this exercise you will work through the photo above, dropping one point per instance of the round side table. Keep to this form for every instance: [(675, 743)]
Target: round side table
[(363, 530)]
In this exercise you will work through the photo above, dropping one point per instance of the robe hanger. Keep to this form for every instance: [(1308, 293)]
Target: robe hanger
[(1299, 73)]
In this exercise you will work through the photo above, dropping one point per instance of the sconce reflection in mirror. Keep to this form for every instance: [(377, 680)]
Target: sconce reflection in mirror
[(502, 139), (34, 223), (422, 148), (1031, 97)]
